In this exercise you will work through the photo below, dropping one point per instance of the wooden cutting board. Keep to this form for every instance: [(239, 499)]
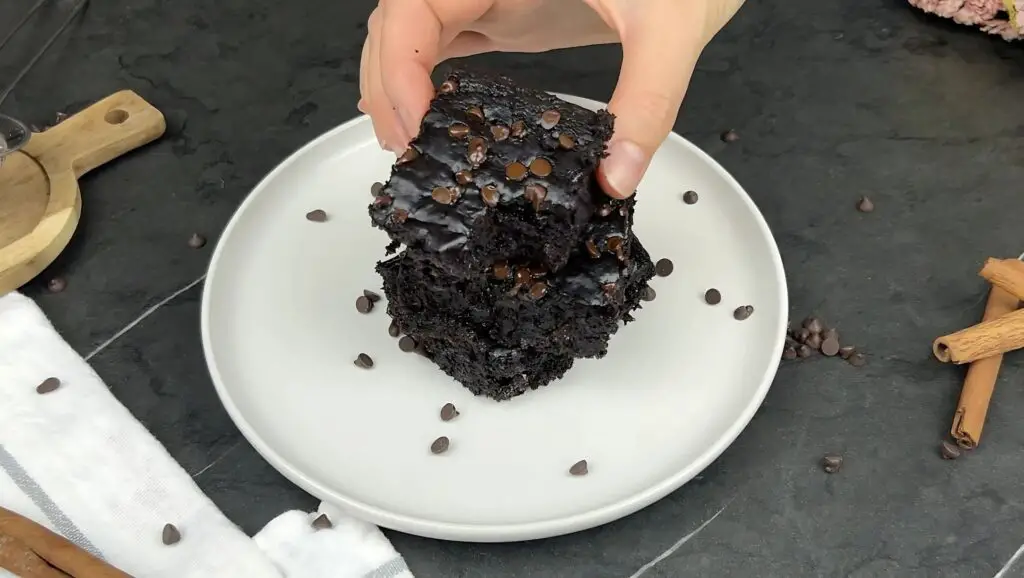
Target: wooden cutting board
[(40, 201)]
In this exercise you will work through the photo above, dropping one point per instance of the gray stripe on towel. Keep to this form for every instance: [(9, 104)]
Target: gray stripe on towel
[(389, 569), (57, 517)]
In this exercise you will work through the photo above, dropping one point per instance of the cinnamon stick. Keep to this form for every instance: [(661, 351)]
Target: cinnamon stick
[(1007, 274), (54, 549), (16, 557), (969, 419), (988, 338)]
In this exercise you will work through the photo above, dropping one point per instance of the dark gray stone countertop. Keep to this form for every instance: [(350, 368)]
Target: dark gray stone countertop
[(832, 100)]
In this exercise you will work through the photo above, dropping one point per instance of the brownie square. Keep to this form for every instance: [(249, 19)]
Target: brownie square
[(499, 172)]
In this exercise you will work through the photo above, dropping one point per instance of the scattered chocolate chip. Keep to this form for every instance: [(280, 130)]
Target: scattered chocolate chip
[(500, 132), (489, 194), (49, 384), (690, 197), (857, 360), (865, 205), (448, 86), (170, 535), (382, 201), (813, 341), (322, 522), (448, 412), (394, 329), (458, 130), (364, 304), (789, 353), (804, 351), (518, 128), (196, 241), (649, 294), (399, 216), (949, 451), (664, 267), (830, 346), (407, 344), (409, 155), (538, 290), (464, 177), (476, 112), (501, 270), (830, 332), (743, 312), (316, 216), (831, 463), (536, 194), (516, 171), (549, 118), (566, 142), (730, 136), (595, 253), (580, 468), (712, 296), (803, 335), (443, 195), (813, 324), (477, 151), (363, 361), (376, 189), (540, 167), (440, 445), (56, 285), (846, 351), (373, 297)]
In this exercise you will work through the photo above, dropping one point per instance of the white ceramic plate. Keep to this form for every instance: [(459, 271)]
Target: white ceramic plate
[(280, 332)]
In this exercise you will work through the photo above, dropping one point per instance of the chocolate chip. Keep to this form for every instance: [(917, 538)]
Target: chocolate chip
[(394, 329), (399, 216), (813, 324), (458, 130), (196, 241), (743, 312), (523, 276), (499, 132), (376, 189), (730, 136), (476, 112), (464, 177), (407, 344), (580, 468), (664, 267), (443, 195), (49, 384), (170, 535), (516, 171), (448, 412), (610, 290), (409, 155), (549, 118), (830, 333), (501, 270), (949, 451), (316, 216), (489, 194), (363, 361), (322, 522), (712, 296), (857, 360), (440, 445), (538, 290), (846, 351), (56, 285), (830, 346), (831, 463), (605, 210), (789, 353), (804, 351), (595, 253), (382, 201), (690, 197), (518, 128), (813, 340), (373, 297), (865, 205), (449, 86), (536, 193), (477, 151), (540, 167), (566, 142), (803, 335), (364, 304), (649, 294)]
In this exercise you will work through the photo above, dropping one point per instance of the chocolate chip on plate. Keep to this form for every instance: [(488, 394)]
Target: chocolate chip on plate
[(830, 346), (364, 361), (376, 189), (846, 351), (49, 384), (831, 463), (549, 118), (322, 522), (949, 451), (374, 297), (440, 445), (730, 136), (448, 412), (56, 285), (316, 216), (690, 197), (393, 329), (664, 267), (171, 535), (865, 205), (649, 294), (407, 344), (196, 241), (580, 468), (813, 324), (712, 296), (364, 304), (743, 312)]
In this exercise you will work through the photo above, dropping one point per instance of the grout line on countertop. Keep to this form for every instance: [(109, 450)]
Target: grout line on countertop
[(218, 459), (680, 543), (1004, 571)]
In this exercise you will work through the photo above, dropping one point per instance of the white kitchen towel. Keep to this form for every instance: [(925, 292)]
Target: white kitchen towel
[(76, 461)]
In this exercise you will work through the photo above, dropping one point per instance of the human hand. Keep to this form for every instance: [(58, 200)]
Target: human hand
[(661, 41)]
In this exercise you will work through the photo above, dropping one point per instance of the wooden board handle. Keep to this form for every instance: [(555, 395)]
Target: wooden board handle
[(99, 134)]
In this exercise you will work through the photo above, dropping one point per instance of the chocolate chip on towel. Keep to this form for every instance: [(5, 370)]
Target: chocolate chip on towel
[(170, 535), (322, 522), (49, 384)]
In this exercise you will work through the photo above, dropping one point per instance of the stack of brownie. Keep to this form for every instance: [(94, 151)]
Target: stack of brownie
[(515, 263)]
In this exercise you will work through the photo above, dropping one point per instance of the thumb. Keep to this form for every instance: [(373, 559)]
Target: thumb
[(661, 41)]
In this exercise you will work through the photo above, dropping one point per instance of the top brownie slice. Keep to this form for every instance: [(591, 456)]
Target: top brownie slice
[(499, 172)]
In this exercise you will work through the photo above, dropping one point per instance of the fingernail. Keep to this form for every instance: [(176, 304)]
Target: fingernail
[(624, 167)]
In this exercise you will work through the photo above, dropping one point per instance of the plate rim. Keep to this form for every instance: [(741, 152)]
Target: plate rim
[(483, 533)]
